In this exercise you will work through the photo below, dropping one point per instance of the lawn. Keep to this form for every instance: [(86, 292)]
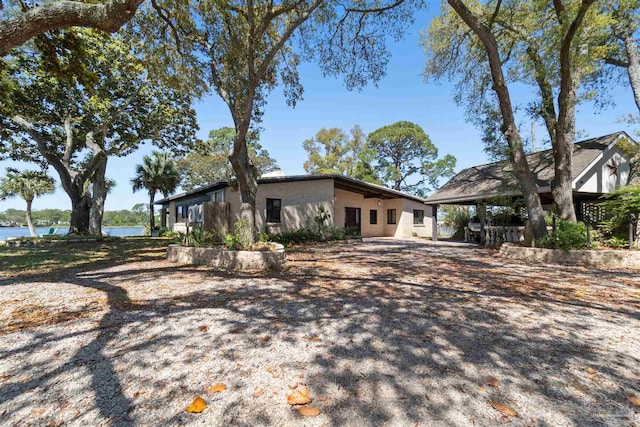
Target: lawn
[(383, 332)]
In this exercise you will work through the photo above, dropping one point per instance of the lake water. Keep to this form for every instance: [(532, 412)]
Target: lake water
[(24, 231)]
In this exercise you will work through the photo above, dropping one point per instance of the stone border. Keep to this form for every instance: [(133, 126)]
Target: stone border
[(232, 260), (592, 258)]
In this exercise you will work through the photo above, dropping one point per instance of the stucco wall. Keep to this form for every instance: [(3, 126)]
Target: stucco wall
[(408, 227), (347, 199), (300, 202)]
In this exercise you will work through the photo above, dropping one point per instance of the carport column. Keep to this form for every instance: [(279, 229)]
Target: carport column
[(434, 223), (163, 218), (481, 211)]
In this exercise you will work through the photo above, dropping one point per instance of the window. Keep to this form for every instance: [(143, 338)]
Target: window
[(273, 210), (391, 216), (418, 217), (182, 213), (373, 216)]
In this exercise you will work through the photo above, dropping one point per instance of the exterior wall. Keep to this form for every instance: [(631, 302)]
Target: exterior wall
[(347, 199), (300, 202), (599, 180), (407, 228)]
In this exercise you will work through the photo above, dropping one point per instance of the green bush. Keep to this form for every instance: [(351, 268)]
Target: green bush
[(198, 238), (458, 218), (305, 235), (568, 235)]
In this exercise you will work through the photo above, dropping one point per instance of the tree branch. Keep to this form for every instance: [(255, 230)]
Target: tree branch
[(107, 16)]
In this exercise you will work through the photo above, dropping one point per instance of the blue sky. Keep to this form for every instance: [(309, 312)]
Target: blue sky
[(401, 95)]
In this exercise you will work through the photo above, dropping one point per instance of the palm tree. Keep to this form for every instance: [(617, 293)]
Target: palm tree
[(158, 172), (28, 185)]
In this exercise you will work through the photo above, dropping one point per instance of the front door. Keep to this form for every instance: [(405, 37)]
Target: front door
[(352, 218)]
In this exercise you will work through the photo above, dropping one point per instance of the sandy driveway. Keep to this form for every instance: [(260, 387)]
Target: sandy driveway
[(382, 332)]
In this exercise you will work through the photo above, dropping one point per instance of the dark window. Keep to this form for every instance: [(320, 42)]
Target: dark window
[(418, 217), (373, 216), (273, 210), (182, 213), (391, 216)]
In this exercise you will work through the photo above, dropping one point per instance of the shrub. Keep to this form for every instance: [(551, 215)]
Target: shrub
[(238, 240), (568, 235), (305, 234), (198, 238)]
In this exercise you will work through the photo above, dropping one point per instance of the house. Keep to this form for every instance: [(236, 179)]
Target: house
[(285, 203), (599, 167)]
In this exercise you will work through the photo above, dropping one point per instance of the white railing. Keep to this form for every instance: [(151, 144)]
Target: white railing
[(494, 235)]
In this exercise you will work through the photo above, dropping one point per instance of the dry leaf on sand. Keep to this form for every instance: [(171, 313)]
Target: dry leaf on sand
[(203, 328), (309, 411), (315, 339), (507, 410), (635, 400), (197, 406), (258, 393), (218, 388), (491, 381), (591, 370), (299, 397)]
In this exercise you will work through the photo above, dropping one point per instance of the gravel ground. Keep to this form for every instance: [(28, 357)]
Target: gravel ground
[(383, 332)]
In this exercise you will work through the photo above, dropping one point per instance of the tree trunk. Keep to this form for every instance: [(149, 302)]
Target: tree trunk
[(32, 230), (508, 128), (152, 216), (80, 211), (633, 69), (97, 199), (247, 183)]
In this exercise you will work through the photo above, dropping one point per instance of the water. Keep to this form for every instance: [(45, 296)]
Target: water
[(24, 231)]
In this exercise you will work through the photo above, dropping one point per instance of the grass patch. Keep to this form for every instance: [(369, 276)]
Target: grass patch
[(63, 256)]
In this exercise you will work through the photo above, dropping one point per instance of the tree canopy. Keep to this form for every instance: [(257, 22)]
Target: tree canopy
[(243, 51), (210, 161), (406, 158), (78, 97), (27, 185), (331, 151), (158, 172)]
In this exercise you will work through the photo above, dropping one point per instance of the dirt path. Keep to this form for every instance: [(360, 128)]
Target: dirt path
[(384, 332)]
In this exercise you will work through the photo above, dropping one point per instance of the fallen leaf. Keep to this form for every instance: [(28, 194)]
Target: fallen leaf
[(579, 294), (236, 330), (507, 410), (293, 387), (203, 328), (315, 339), (635, 400), (299, 397), (218, 388), (197, 406), (403, 335), (591, 370), (258, 393), (491, 381), (309, 411)]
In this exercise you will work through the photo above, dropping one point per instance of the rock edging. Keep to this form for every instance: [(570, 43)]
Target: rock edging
[(592, 258), (232, 260)]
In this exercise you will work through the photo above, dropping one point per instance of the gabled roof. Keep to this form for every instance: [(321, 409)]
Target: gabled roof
[(341, 182), (497, 179)]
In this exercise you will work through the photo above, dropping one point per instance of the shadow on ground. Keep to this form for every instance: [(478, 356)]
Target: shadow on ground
[(384, 333)]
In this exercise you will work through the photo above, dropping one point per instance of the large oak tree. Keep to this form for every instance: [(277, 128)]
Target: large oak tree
[(78, 97), (246, 49)]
